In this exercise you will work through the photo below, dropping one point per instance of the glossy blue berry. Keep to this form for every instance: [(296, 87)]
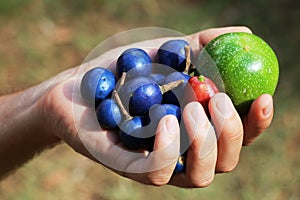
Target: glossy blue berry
[(177, 94), (96, 85), (158, 111), (133, 135), (139, 94), (134, 61), (173, 54), (180, 164), (108, 114), (158, 78)]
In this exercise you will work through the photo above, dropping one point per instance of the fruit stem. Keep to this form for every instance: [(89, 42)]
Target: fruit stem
[(188, 64), (121, 106), (201, 78), (121, 82), (118, 99), (169, 86), (187, 50)]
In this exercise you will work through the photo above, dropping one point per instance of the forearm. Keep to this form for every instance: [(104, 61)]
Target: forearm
[(22, 132)]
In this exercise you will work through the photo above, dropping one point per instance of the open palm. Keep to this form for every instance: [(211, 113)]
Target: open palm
[(68, 117)]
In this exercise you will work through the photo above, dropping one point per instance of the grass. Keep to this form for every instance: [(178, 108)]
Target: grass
[(41, 38)]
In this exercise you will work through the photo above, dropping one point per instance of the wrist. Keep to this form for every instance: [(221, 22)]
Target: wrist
[(27, 126), (21, 132), (22, 117), (44, 98)]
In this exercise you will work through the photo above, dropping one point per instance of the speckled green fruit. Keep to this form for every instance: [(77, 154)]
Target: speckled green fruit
[(246, 64)]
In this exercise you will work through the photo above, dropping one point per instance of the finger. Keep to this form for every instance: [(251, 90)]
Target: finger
[(206, 36), (158, 167), (259, 118), (202, 153), (229, 129)]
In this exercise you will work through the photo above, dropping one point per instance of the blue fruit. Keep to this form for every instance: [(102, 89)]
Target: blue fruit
[(134, 61), (180, 164), (139, 94), (157, 112), (108, 114), (133, 135), (173, 54), (158, 78), (177, 94), (96, 85)]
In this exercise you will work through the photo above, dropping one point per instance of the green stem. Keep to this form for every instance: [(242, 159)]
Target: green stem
[(201, 78)]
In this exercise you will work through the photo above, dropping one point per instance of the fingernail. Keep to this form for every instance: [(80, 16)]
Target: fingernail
[(224, 105), (196, 115), (171, 127), (267, 110)]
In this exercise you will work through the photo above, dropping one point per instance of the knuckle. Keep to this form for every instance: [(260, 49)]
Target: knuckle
[(227, 168), (237, 135), (208, 151), (233, 129), (204, 182), (158, 179), (248, 141)]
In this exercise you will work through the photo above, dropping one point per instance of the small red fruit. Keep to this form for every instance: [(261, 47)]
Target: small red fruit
[(203, 89)]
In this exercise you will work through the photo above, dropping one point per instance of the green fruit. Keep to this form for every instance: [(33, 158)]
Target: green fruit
[(242, 65)]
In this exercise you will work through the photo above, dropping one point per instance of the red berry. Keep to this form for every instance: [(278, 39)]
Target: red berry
[(203, 89)]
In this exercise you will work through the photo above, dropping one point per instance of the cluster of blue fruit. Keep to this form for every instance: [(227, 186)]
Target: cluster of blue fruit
[(134, 101)]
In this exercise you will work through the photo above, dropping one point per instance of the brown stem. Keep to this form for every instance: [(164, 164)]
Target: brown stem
[(187, 50), (116, 96), (188, 64), (169, 86), (121, 106), (121, 82)]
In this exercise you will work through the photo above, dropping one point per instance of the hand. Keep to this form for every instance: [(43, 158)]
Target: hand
[(206, 154)]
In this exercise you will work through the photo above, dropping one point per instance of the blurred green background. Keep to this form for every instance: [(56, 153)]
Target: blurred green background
[(39, 38)]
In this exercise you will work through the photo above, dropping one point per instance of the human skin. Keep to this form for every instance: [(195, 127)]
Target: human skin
[(41, 117)]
